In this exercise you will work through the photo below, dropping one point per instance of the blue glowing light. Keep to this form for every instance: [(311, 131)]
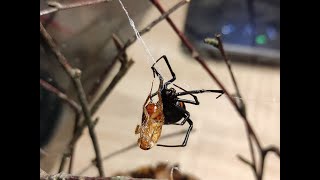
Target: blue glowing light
[(227, 29), (271, 33), (248, 30)]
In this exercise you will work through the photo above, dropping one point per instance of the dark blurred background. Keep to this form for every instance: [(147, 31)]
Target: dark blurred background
[(249, 27)]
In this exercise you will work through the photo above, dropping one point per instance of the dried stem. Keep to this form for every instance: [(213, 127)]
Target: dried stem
[(244, 160), (227, 61), (75, 75), (61, 95), (125, 65), (162, 17), (131, 40), (151, 25), (57, 6), (70, 151), (71, 159), (217, 42), (123, 70), (63, 161), (122, 50), (240, 109), (64, 176), (131, 146)]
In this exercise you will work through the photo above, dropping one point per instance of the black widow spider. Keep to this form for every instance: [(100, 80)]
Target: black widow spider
[(174, 108)]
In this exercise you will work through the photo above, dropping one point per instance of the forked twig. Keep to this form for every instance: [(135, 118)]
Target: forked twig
[(239, 109), (60, 94), (151, 25), (131, 146), (65, 176), (57, 6), (75, 75), (122, 49), (217, 42), (125, 65)]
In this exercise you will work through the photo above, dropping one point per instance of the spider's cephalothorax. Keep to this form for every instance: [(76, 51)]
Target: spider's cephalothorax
[(174, 108)]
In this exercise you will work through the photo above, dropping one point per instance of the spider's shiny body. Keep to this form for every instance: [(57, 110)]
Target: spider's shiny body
[(169, 110)]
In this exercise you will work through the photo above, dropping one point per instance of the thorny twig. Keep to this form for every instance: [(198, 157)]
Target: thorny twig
[(75, 75), (57, 6), (249, 128)]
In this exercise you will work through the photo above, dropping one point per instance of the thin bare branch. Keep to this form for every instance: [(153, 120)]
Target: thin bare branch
[(264, 152), (75, 75), (227, 61), (131, 146), (88, 120), (199, 59), (217, 42), (65, 176), (125, 66), (271, 149), (64, 158), (57, 6), (151, 25), (133, 39), (43, 152), (61, 95), (239, 106), (244, 160)]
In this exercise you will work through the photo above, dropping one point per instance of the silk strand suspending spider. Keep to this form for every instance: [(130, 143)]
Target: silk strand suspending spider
[(169, 110)]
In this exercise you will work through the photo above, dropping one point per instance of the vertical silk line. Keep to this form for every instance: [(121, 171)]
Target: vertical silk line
[(137, 33)]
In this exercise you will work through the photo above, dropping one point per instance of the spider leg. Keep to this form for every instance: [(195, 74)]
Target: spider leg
[(195, 102), (197, 92), (169, 66), (154, 94), (185, 141), (200, 91), (186, 119)]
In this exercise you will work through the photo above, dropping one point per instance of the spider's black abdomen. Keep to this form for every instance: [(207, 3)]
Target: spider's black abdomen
[(171, 113)]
